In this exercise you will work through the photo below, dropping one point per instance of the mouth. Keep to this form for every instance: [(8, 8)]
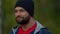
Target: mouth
[(19, 19)]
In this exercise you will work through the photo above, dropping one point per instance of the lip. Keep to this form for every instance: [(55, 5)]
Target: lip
[(19, 19)]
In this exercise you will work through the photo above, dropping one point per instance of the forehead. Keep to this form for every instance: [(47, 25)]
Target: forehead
[(18, 8)]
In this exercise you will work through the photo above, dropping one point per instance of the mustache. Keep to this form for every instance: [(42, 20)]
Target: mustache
[(20, 17)]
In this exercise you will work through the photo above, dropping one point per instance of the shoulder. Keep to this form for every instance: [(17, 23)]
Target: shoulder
[(40, 29), (44, 31), (14, 29)]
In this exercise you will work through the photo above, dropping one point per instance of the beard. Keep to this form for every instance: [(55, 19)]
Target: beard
[(23, 21)]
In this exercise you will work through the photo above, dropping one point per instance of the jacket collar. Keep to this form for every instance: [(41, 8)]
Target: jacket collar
[(39, 27)]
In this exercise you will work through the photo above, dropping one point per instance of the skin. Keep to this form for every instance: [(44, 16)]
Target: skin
[(19, 11)]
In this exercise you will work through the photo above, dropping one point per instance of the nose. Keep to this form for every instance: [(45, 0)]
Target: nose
[(18, 13)]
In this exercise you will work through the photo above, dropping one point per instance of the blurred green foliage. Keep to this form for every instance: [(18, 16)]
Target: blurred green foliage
[(46, 11)]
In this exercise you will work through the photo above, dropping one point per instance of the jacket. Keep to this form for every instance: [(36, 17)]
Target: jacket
[(40, 29)]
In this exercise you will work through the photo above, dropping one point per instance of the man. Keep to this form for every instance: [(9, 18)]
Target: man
[(24, 11)]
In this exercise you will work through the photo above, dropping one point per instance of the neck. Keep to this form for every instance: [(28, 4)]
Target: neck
[(29, 25)]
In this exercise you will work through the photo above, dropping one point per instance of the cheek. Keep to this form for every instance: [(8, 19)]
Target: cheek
[(26, 14)]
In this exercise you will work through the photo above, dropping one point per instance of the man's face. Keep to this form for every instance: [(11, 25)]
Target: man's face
[(22, 16)]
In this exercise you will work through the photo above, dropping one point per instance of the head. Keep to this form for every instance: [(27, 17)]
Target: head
[(24, 10)]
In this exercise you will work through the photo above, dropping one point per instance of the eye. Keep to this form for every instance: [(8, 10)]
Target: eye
[(21, 10)]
